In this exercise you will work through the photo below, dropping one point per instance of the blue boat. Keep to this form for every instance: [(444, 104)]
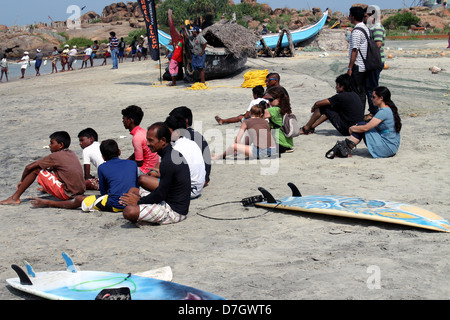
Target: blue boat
[(298, 35)]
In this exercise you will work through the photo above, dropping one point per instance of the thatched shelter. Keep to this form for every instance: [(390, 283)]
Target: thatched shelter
[(235, 38)]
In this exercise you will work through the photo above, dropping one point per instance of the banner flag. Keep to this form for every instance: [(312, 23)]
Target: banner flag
[(149, 12)]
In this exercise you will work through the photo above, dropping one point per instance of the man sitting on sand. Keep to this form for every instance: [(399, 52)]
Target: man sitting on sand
[(195, 136), (344, 109), (116, 176), (169, 202), (60, 173)]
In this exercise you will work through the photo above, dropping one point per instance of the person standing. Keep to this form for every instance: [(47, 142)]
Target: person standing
[(121, 50), (95, 48), (198, 44), (37, 65), (55, 56), (358, 50), (72, 56), (25, 62), (64, 57), (373, 21), (4, 68), (114, 45), (144, 46)]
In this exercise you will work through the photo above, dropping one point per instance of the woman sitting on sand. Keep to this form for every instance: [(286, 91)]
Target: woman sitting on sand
[(261, 143), (381, 134), (279, 105)]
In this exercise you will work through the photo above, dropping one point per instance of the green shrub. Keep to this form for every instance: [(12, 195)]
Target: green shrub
[(79, 42), (401, 20)]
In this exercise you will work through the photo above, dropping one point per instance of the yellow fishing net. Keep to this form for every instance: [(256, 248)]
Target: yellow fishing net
[(199, 86), (255, 78)]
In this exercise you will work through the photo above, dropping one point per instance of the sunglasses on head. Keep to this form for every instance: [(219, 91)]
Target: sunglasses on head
[(271, 79)]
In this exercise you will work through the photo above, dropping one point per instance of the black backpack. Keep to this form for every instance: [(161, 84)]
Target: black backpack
[(373, 59)]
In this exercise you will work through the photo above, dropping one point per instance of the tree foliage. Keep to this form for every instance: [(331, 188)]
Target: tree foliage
[(194, 9), (405, 19)]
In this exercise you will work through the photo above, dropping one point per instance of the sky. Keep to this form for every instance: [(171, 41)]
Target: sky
[(33, 11)]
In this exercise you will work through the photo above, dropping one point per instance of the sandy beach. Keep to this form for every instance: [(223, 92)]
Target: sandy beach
[(234, 251)]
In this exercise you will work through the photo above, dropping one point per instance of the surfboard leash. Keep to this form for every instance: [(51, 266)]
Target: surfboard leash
[(245, 202)]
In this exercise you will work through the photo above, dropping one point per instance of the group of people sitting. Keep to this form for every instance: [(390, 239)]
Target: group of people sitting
[(344, 110), (171, 162), (169, 167)]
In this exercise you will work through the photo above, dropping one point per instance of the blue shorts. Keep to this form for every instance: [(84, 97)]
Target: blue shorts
[(263, 153), (38, 63), (198, 62)]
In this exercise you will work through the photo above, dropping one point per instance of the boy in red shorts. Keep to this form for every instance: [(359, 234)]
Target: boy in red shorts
[(60, 173)]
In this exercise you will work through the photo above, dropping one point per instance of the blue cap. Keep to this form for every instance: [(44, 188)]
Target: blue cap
[(196, 29)]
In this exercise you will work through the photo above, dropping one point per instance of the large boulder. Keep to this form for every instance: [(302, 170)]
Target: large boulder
[(15, 44)]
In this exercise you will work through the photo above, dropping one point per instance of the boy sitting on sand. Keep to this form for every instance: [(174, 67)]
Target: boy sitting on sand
[(91, 154), (60, 173), (145, 159), (258, 93), (116, 177)]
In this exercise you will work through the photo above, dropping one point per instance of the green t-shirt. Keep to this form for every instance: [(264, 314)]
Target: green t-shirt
[(277, 118), (379, 34)]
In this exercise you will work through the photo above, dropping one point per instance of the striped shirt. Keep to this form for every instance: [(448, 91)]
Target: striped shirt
[(378, 34), (358, 41), (114, 43)]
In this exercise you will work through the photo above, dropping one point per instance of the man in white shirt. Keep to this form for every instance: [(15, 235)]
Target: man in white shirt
[(25, 62), (358, 46), (91, 155), (190, 151)]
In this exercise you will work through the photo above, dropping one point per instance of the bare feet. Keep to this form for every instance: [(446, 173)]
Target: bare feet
[(10, 200), (217, 156), (219, 120), (39, 203)]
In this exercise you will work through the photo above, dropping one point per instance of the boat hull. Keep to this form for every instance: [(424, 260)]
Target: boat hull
[(298, 35)]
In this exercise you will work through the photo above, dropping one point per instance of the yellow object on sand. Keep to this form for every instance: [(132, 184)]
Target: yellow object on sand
[(255, 78), (199, 86)]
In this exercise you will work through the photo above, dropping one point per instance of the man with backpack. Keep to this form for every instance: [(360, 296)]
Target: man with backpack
[(358, 52)]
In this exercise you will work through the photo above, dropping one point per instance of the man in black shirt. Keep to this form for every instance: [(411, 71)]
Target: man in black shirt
[(343, 110), (169, 202)]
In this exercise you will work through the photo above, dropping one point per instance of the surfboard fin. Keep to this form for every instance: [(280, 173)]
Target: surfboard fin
[(267, 195), (70, 265), (295, 191), (24, 279), (30, 270)]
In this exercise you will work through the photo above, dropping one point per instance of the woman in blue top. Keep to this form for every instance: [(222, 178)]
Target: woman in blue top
[(382, 133)]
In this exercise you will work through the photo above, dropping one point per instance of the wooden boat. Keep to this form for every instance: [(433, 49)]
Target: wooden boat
[(298, 35), (219, 62)]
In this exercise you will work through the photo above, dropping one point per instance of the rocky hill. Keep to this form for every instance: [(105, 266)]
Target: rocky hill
[(124, 17)]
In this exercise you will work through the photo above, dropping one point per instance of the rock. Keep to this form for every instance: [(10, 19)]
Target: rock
[(24, 41)]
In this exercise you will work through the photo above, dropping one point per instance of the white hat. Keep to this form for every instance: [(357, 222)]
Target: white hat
[(38, 50), (66, 46), (74, 47), (26, 52)]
